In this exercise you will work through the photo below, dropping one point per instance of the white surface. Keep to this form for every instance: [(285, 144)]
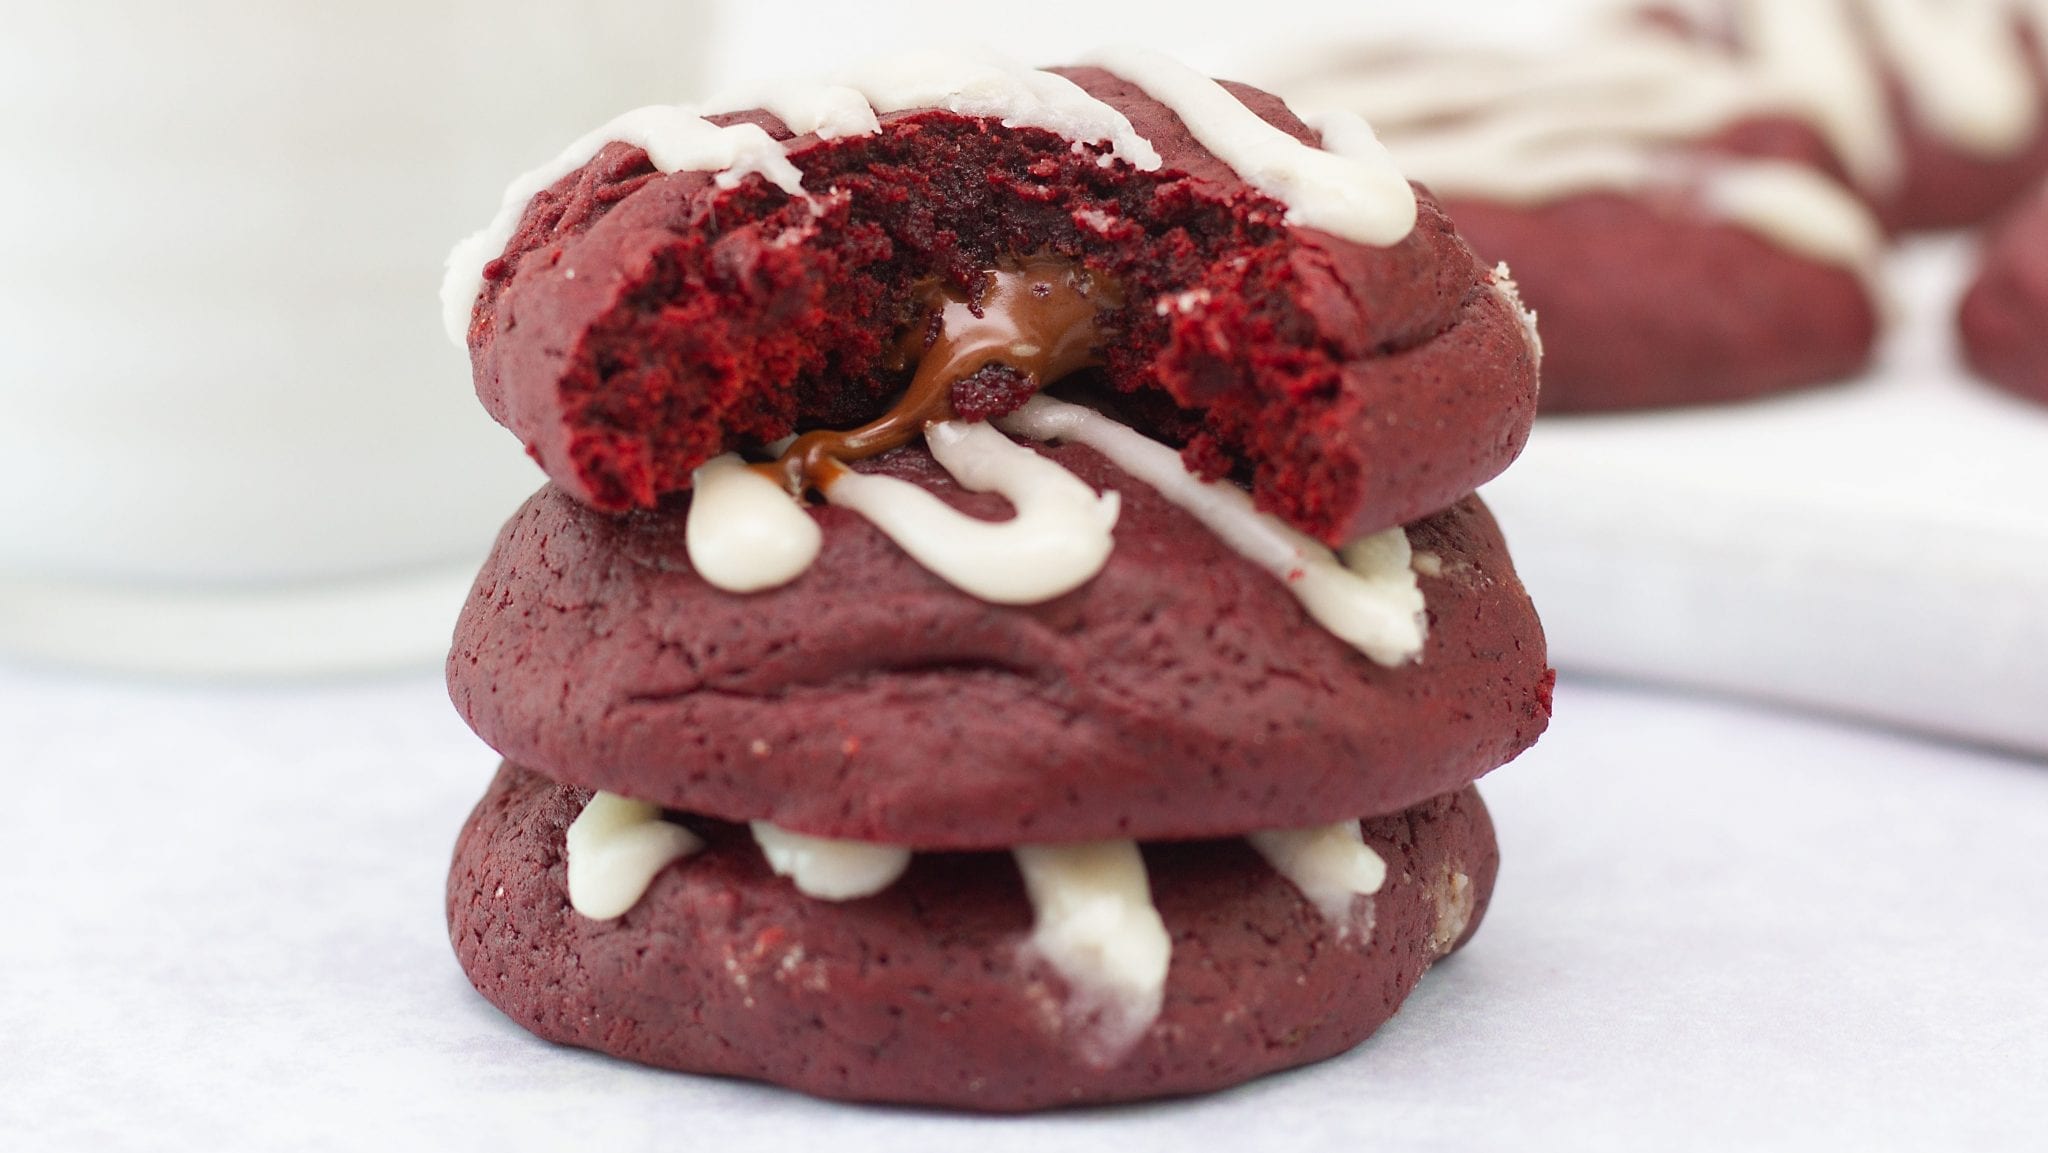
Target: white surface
[(1879, 549), (1716, 928), (299, 629)]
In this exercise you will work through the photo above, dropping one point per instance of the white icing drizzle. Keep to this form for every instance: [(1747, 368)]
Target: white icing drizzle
[(614, 849), (1960, 63), (745, 533), (829, 111), (1799, 210), (1096, 925), (976, 82), (1332, 866), (1058, 540), (1357, 194), (676, 137), (1814, 50), (1528, 129), (827, 869), (1351, 190), (1369, 598), (1094, 920)]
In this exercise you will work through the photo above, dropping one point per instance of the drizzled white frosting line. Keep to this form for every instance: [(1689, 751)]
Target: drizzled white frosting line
[(1961, 65), (1798, 209), (676, 137), (1814, 49), (1058, 540), (975, 82), (614, 849), (1096, 925), (1332, 866), (831, 111), (1360, 196), (1356, 194), (830, 870), (1375, 605), (1535, 129), (1964, 66), (745, 533)]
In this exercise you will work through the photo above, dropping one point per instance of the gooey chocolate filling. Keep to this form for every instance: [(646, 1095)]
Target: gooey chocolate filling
[(976, 355)]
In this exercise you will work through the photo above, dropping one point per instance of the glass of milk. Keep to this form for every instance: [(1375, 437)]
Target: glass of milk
[(233, 439)]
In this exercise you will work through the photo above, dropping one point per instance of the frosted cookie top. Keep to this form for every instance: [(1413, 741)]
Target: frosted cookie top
[(1623, 111), (1349, 187), (1962, 69)]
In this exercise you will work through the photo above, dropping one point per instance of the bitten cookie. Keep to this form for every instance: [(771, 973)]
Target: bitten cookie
[(1182, 692), (675, 288), (2004, 316), (951, 986), (1008, 528), (1674, 220)]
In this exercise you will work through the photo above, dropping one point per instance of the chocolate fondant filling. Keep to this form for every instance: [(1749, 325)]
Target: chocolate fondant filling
[(977, 355)]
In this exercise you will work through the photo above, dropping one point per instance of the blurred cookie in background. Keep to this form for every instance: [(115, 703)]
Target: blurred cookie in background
[(1939, 107), (2004, 316), (1676, 220)]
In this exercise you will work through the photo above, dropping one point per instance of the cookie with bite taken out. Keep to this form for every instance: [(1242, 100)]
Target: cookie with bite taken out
[(1009, 626)]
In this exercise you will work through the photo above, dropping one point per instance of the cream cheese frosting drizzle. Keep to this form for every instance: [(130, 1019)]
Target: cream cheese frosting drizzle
[(1060, 537), (1369, 598), (1359, 195), (676, 138), (1961, 67), (1096, 925), (1525, 129), (1333, 867), (830, 870), (1351, 190), (1367, 594), (828, 111), (614, 849), (745, 533), (1093, 918), (980, 83)]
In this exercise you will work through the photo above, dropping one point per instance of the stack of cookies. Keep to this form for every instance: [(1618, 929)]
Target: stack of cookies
[(1009, 625)]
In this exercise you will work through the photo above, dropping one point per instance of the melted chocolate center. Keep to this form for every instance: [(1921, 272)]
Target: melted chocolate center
[(1036, 318)]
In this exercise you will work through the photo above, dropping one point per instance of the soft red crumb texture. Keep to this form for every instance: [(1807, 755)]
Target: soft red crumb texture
[(640, 323), (926, 992), (2004, 317), (1181, 693)]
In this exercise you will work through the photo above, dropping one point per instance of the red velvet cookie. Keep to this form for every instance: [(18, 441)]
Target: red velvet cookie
[(1645, 303), (1941, 109), (1181, 693), (650, 311), (1678, 229), (2004, 317), (930, 991)]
